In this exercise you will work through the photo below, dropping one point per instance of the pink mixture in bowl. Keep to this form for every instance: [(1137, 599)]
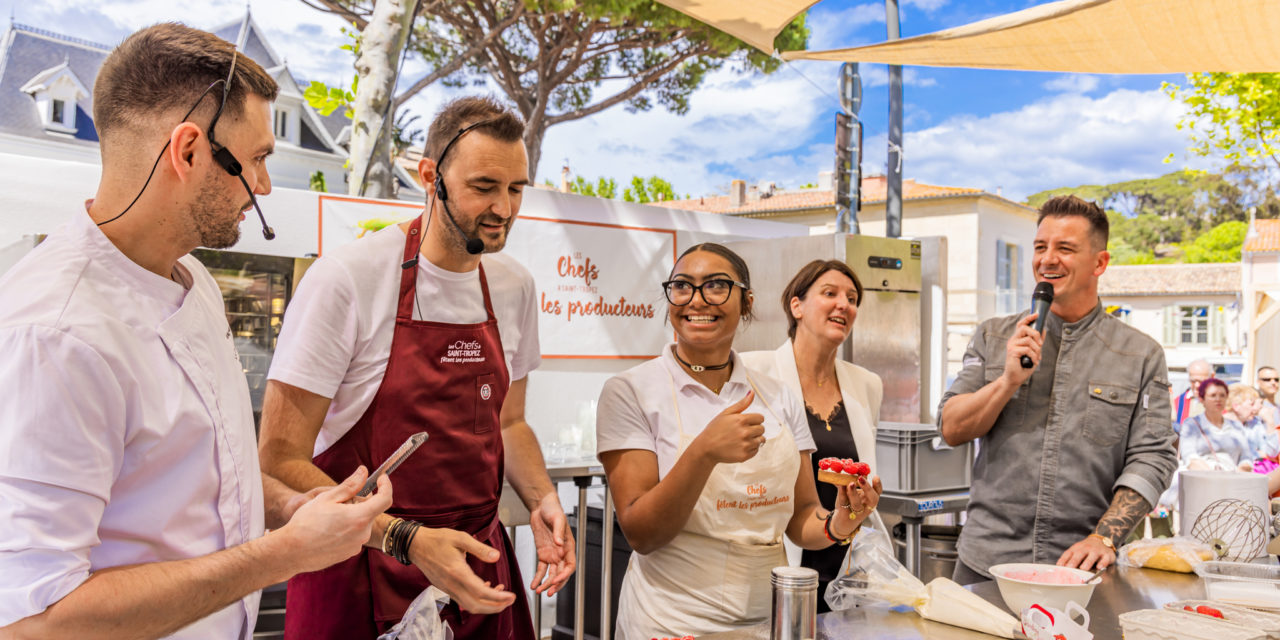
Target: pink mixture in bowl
[(1049, 576)]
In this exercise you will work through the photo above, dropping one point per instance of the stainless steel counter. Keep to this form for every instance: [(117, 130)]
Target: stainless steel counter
[(1122, 590)]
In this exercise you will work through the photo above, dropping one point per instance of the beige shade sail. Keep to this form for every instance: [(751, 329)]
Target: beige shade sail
[(1096, 36), (755, 22)]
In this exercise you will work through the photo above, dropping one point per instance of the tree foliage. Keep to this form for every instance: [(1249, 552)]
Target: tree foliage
[(652, 189), (1156, 220), (1236, 115), (1222, 243), (562, 60)]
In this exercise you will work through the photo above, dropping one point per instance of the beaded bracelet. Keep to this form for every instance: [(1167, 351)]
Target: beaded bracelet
[(826, 529)]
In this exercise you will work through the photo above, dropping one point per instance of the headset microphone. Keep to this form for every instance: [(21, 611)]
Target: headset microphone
[(475, 246)]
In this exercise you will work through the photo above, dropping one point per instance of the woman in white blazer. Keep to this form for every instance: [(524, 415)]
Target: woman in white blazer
[(842, 400)]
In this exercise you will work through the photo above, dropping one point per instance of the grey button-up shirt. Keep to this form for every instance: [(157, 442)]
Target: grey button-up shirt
[(1093, 417)]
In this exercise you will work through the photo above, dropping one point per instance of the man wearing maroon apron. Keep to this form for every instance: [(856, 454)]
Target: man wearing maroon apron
[(376, 306)]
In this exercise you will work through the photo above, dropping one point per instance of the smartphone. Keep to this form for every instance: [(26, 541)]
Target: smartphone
[(392, 462)]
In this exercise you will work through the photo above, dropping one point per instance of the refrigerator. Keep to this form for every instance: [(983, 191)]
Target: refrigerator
[(255, 291)]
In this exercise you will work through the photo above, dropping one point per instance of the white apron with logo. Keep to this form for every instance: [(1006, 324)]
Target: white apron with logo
[(714, 576)]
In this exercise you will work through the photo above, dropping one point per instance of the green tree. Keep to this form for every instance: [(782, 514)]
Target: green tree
[(653, 189), (1236, 115), (1220, 244), (316, 181), (562, 60)]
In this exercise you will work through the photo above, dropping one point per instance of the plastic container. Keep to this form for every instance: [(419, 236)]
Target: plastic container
[(1252, 585), (913, 458), (1268, 622), (1020, 594), (1160, 624)]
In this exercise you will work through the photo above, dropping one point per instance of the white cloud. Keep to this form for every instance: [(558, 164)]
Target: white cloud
[(1061, 141), (1073, 83), (928, 6)]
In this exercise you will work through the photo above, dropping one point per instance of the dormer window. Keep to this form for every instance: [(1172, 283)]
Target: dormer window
[(282, 124), (59, 113), (56, 92)]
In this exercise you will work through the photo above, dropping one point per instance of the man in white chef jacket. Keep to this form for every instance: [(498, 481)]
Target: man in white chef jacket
[(130, 495)]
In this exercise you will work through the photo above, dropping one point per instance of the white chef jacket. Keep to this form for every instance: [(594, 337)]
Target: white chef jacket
[(126, 433)]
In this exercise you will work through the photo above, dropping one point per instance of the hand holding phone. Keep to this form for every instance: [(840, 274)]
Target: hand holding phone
[(392, 462)]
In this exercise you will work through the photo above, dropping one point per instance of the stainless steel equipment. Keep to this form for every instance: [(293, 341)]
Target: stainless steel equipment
[(887, 336), (795, 603)]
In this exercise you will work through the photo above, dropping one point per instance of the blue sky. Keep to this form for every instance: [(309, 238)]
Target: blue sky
[(1016, 132)]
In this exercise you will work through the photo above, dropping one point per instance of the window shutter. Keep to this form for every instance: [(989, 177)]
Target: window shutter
[(1171, 325), (1216, 337), (1002, 265), (1020, 279)]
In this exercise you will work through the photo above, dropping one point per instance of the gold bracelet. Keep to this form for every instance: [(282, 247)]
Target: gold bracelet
[(387, 532)]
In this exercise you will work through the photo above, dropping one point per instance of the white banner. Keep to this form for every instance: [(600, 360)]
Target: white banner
[(599, 285)]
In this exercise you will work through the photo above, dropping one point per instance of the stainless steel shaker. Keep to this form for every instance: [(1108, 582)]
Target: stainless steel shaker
[(795, 604)]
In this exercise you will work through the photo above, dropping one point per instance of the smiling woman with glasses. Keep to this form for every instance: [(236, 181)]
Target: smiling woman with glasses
[(709, 465)]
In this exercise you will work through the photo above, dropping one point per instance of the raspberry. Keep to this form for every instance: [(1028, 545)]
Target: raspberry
[(836, 466), (824, 464), (860, 468), (848, 463)]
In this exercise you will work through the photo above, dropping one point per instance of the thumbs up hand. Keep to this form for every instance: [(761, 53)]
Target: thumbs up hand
[(732, 436)]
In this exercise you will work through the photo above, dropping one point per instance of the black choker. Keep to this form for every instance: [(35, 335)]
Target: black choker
[(697, 368)]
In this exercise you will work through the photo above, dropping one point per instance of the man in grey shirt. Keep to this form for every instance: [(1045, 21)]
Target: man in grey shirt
[(1075, 450)]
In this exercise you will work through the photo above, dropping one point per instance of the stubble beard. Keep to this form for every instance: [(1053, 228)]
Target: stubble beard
[(211, 222)]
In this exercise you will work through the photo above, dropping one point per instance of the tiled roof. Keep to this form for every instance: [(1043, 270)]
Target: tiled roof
[(1267, 238), (1165, 279), (874, 189)]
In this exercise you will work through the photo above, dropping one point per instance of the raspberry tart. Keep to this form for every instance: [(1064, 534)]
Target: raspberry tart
[(841, 471)]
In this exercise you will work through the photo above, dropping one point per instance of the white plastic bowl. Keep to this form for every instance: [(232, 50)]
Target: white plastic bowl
[(1020, 594)]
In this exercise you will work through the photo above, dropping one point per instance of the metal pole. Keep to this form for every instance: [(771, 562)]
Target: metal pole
[(893, 200), (580, 585), (849, 150), (606, 553)]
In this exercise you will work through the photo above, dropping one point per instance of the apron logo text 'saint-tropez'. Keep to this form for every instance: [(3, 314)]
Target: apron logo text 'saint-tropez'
[(756, 498), (463, 352)]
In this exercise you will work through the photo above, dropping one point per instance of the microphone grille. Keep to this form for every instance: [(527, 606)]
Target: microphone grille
[(475, 246), (1043, 290)]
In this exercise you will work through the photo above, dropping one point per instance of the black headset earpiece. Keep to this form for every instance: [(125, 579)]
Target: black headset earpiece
[(441, 192), (227, 161)]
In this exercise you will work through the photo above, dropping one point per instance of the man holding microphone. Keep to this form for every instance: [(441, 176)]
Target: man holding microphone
[(1077, 447)]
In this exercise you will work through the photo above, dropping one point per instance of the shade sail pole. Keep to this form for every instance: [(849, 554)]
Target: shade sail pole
[(893, 200)]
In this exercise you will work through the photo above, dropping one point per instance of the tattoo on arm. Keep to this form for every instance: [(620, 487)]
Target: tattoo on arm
[(1127, 509)]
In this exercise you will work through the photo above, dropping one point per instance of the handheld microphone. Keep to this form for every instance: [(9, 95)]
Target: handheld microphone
[(1041, 299)]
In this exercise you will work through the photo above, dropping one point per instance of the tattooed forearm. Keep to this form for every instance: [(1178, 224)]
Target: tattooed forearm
[(1127, 509)]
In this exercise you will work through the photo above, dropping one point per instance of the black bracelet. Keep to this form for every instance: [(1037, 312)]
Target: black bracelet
[(826, 526), (399, 537)]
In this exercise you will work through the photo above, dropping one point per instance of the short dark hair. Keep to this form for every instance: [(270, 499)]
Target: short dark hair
[(499, 122), (165, 67), (1211, 382), (804, 279), (1265, 366), (735, 261), (1063, 206)]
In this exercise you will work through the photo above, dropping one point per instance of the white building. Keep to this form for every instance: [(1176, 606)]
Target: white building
[(46, 106), (1194, 310)]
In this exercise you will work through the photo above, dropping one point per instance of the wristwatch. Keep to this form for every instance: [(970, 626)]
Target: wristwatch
[(1106, 542)]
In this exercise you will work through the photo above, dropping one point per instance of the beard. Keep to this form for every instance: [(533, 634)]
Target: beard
[(472, 230), (214, 217)]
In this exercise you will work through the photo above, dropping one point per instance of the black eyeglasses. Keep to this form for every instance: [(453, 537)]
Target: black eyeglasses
[(714, 292), (1268, 379)]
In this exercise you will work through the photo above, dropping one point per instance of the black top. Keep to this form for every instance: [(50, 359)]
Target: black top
[(835, 443)]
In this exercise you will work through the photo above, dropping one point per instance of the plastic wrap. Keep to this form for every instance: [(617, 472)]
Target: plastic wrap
[(1180, 554), (872, 575), (422, 620)]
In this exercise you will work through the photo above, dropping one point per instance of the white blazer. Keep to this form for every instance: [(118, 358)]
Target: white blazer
[(861, 391)]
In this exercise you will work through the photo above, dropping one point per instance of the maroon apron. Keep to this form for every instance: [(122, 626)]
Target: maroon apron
[(448, 380)]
